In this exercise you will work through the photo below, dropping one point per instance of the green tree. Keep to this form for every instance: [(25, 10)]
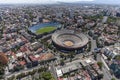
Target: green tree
[(62, 55), (109, 58), (21, 75), (117, 58), (100, 76), (95, 56), (18, 68), (72, 54), (11, 78), (0, 35), (100, 64), (47, 76), (2, 69), (113, 79), (62, 62)]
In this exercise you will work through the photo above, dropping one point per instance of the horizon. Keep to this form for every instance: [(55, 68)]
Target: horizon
[(57, 1)]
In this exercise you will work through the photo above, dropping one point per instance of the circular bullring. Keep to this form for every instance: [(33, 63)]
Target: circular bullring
[(69, 40)]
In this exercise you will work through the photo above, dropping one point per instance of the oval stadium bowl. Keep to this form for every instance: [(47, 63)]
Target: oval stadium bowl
[(69, 40)]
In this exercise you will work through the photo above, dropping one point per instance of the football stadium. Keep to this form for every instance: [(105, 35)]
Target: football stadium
[(44, 28), (69, 40)]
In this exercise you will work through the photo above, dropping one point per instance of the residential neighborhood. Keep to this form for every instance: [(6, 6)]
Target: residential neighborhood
[(65, 41)]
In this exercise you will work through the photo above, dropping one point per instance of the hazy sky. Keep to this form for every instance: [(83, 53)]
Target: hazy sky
[(53, 1), (38, 1)]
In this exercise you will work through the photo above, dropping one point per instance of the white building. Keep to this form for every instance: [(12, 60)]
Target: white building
[(112, 51)]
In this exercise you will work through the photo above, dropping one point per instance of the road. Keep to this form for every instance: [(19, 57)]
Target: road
[(22, 71), (107, 75), (53, 71), (93, 43)]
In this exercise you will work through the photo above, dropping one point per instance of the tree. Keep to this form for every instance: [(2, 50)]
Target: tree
[(11, 78), (47, 76), (21, 75), (41, 69), (70, 59), (72, 54), (100, 64), (100, 76), (109, 58), (62, 62), (117, 58), (0, 35), (62, 55), (95, 56), (17, 48), (2, 69), (18, 67), (83, 55), (113, 79)]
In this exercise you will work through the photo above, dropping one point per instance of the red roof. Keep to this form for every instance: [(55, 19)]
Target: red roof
[(33, 58), (60, 78), (22, 62), (23, 49), (40, 49)]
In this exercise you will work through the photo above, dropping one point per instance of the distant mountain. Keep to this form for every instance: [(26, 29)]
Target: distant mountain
[(114, 2), (107, 1)]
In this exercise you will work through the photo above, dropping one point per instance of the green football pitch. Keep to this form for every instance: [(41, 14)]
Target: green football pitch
[(45, 29)]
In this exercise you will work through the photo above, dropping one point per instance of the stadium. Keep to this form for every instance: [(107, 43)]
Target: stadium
[(44, 28), (69, 40)]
